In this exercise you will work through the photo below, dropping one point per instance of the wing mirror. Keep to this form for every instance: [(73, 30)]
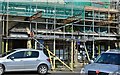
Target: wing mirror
[(91, 61), (12, 58)]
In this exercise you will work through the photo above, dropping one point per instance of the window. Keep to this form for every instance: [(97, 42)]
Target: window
[(17, 55), (32, 54), (109, 58)]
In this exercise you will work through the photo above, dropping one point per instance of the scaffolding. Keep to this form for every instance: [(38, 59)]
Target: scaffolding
[(63, 27)]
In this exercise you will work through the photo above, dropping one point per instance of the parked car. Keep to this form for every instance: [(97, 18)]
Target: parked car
[(24, 60), (108, 63)]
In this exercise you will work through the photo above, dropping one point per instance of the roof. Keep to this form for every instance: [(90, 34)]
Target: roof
[(62, 9), (113, 51), (91, 8), (25, 49)]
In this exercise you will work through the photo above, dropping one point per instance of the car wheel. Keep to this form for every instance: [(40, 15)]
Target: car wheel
[(42, 69), (1, 69)]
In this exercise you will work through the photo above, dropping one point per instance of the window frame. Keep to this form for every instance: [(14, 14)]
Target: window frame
[(8, 57)]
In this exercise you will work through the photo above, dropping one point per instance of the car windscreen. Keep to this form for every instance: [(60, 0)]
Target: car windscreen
[(6, 53), (108, 58)]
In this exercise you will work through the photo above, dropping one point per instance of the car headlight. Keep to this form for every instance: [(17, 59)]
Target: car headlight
[(82, 70)]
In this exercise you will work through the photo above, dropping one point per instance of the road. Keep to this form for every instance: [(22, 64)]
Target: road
[(58, 72), (35, 73)]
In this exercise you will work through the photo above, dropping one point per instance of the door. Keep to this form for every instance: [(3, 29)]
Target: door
[(15, 61), (31, 62)]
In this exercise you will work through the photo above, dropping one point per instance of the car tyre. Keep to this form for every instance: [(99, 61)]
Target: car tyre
[(1, 69), (42, 69)]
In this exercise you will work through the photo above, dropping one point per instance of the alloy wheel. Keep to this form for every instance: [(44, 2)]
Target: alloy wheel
[(42, 69)]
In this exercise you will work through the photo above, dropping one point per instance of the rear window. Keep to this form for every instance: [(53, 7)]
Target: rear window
[(32, 54)]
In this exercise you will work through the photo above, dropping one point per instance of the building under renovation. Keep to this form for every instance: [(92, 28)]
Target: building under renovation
[(68, 29)]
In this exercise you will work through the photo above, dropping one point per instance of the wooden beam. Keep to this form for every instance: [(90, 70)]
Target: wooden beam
[(36, 15)]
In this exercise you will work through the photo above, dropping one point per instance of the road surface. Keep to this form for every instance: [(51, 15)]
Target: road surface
[(35, 73)]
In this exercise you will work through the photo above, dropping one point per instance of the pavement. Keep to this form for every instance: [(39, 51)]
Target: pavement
[(59, 71)]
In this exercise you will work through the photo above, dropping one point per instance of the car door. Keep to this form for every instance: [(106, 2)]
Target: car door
[(15, 61), (31, 62)]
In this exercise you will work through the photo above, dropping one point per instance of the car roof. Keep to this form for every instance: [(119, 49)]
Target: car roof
[(113, 51), (25, 49)]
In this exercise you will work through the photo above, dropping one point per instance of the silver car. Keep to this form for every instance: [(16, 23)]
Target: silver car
[(24, 60), (107, 63)]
